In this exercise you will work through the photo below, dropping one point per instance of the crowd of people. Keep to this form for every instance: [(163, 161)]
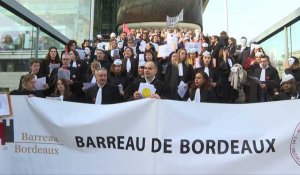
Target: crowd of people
[(131, 68)]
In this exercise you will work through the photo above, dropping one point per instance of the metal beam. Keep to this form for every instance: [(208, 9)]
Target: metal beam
[(22, 12)]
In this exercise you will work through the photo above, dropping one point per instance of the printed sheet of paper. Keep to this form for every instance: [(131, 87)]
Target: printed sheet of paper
[(53, 66), (63, 74), (87, 85), (147, 90), (39, 83), (182, 88)]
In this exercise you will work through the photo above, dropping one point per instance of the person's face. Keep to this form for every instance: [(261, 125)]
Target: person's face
[(148, 46), (66, 60), (174, 57), (101, 77), (206, 60), (243, 42), (117, 68), (114, 44), (193, 55), (144, 36), (213, 40), (287, 86), (73, 46), (130, 43), (100, 55), (93, 68), (149, 70), (257, 59), (229, 41), (149, 56), (132, 32), (141, 70), (123, 36), (155, 38), (30, 84), (128, 53), (182, 55), (225, 53), (199, 80), (35, 67), (53, 54), (264, 62), (60, 86), (86, 44), (72, 55)]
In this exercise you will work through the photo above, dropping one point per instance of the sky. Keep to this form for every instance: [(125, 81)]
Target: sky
[(245, 17)]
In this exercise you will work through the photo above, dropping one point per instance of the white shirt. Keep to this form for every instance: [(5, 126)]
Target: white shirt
[(180, 69)]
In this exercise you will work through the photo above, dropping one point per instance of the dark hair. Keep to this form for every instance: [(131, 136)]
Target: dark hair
[(131, 49), (70, 43), (48, 57), (152, 53), (35, 61), (67, 88), (76, 54), (85, 40), (210, 65), (207, 85), (296, 60)]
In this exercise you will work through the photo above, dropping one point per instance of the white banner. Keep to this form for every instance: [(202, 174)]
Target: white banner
[(150, 137), (172, 21)]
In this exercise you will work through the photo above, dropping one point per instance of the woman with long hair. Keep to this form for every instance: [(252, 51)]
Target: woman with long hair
[(62, 90), (201, 89)]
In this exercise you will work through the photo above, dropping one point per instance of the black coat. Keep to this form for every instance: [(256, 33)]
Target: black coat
[(160, 87), (26, 92), (272, 82), (110, 94), (134, 67), (208, 96)]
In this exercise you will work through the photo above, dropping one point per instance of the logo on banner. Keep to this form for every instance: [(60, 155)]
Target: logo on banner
[(295, 145), (6, 131)]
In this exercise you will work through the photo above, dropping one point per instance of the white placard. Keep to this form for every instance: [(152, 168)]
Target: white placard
[(147, 90), (63, 74), (193, 45), (165, 50), (88, 85), (53, 66), (40, 84)]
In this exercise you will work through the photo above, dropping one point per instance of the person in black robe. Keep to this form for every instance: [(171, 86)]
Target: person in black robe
[(109, 93), (288, 89), (264, 81), (28, 87), (150, 71), (201, 89)]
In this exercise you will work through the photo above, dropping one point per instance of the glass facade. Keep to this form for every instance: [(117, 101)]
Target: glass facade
[(19, 42), (294, 35), (275, 46), (105, 16), (70, 17)]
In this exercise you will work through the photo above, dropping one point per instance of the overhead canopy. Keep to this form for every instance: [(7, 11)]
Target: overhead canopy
[(152, 14)]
